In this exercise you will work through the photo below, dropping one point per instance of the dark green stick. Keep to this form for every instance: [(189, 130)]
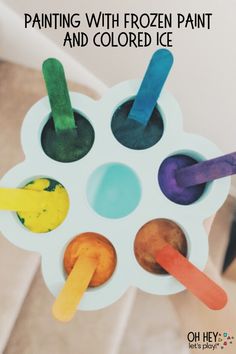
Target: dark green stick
[(58, 94), (67, 136)]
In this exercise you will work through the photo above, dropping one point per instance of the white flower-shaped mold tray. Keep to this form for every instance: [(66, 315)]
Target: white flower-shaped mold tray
[(121, 232)]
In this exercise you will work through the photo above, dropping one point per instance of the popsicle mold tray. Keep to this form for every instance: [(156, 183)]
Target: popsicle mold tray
[(81, 177)]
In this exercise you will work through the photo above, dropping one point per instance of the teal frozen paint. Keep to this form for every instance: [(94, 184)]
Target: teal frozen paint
[(131, 133), (113, 190), (151, 86)]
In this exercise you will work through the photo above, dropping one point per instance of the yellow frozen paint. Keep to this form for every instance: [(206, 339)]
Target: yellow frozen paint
[(53, 211)]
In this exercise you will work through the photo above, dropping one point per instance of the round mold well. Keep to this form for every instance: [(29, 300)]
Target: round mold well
[(89, 243), (94, 298), (197, 253), (44, 221), (113, 190), (132, 134), (39, 115), (68, 146), (168, 184), (11, 225), (149, 239), (168, 107)]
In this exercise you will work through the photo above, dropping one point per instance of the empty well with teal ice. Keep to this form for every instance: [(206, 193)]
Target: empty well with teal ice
[(113, 190)]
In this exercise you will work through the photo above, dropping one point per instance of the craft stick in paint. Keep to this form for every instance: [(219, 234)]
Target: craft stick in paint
[(89, 261), (206, 171), (151, 86), (67, 136), (168, 183), (160, 247), (205, 289), (58, 94), (42, 204), (76, 284), (17, 199)]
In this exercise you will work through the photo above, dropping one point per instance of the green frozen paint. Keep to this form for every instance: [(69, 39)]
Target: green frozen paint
[(22, 220), (67, 147), (52, 185), (50, 188), (29, 183)]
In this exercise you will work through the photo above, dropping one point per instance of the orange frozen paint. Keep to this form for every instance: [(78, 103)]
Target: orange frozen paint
[(151, 237), (92, 245)]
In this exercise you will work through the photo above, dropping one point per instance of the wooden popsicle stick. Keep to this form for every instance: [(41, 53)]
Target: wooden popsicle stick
[(17, 199), (76, 284), (151, 86), (58, 94), (206, 171), (205, 289)]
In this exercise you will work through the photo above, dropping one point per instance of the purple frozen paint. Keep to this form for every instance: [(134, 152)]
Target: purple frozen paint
[(169, 185)]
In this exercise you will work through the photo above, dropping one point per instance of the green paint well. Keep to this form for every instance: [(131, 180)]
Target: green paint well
[(67, 146)]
